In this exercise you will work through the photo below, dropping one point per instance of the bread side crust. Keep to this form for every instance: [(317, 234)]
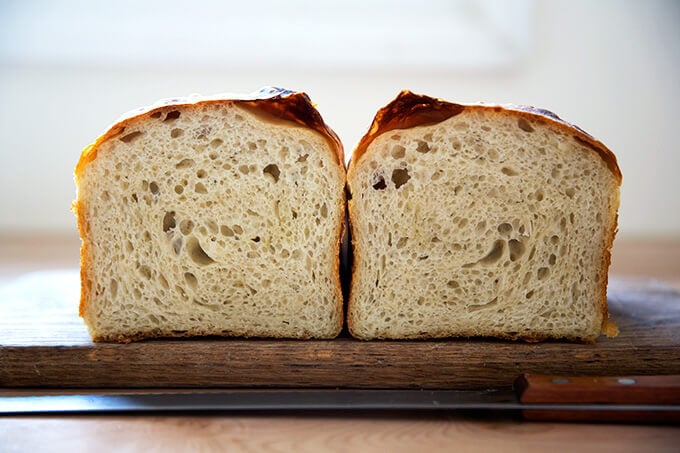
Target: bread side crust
[(270, 104), (410, 110)]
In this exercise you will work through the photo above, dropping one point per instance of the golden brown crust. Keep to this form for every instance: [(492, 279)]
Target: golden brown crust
[(275, 104), (409, 110)]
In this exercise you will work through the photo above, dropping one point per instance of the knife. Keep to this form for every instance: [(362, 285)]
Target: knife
[(646, 399)]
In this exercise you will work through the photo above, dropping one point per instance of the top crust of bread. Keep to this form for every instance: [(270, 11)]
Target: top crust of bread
[(276, 103), (273, 105), (409, 110)]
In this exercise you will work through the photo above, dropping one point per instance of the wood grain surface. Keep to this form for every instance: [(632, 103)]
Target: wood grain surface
[(43, 343)]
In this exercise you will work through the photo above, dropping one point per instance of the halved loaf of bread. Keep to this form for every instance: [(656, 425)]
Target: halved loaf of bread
[(213, 216), (475, 220)]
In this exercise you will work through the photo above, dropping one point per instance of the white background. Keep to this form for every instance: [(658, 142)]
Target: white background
[(612, 67)]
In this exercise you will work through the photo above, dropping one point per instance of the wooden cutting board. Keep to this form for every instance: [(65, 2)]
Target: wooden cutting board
[(43, 343)]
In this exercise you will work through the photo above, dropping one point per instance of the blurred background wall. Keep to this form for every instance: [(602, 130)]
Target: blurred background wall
[(68, 70)]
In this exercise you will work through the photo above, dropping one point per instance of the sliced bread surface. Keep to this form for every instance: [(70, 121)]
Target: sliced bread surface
[(213, 216), (476, 220)]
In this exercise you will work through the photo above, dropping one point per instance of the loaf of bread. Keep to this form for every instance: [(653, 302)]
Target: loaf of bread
[(213, 216), (476, 220)]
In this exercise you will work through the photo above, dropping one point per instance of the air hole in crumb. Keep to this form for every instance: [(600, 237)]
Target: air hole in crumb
[(539, 195), (176, 132), (243, 169), (200, 188), (196, 252), (113, 288), (523, 124), (130, 137), (400, 177), (543, 273), (401, 243), (169, 221), (145, 272), (273, 171), (216, 142), (570, 192), (177, 245), (530, 294), (495, 254), (171, 116), (179, 189), (477, 307), (156, 115), (191, 280), (201, 174), (552, 259), (185, 163), (186, 226), (422, 146), (509, 171), (380, 184), (153, 187), (256, 239), (452, 284), (505, 228), (237, 229), (516, 249), (226, 231), (398, 151), (323, 210)]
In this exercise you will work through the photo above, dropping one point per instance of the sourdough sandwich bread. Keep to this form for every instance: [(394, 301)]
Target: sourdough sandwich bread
[(474, 220), (213, 216)]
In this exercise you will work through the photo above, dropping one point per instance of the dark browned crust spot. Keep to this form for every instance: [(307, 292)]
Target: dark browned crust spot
[(407, 110)]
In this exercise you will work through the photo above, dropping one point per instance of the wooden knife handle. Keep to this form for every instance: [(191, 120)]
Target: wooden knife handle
[(543, 389), (612, 390)]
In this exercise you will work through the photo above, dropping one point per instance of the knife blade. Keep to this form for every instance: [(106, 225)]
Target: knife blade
[(517, 400)]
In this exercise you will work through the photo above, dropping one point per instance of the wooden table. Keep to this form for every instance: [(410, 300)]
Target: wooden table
[(327, 431)]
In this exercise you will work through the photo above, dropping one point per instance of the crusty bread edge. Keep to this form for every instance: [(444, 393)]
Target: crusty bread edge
[(273, 104), (410, 110)]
